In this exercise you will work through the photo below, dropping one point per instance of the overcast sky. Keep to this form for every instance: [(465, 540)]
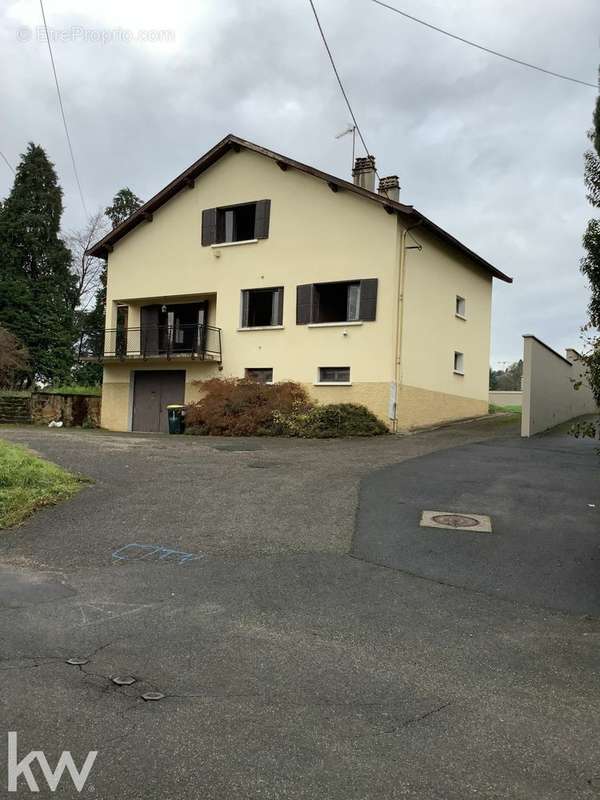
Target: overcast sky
[(489, 150)]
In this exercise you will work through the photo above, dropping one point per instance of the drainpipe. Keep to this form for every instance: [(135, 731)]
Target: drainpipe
[(402, 233)]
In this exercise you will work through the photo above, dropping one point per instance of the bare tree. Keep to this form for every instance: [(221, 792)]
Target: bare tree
[(87, 269), (14, 360)]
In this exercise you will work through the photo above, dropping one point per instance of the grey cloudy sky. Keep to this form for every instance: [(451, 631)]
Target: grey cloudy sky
[(487, 149)]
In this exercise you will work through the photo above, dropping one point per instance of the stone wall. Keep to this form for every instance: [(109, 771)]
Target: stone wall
[(70, 409)]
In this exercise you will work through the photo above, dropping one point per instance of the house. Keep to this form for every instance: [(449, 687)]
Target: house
[(251, 263)]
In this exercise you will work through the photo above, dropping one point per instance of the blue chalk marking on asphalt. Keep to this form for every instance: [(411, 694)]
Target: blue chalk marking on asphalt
[(139, 552)]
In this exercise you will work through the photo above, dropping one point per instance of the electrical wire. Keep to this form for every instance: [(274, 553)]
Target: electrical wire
[(7, 162), (62, 112), (345, 96), (485, 49), (339, 80)]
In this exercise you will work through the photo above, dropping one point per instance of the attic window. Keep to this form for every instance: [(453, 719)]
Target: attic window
[(236, 224), (243, 222)]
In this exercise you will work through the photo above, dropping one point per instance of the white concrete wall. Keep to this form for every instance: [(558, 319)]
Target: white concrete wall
[(499, 398), (549, 396)]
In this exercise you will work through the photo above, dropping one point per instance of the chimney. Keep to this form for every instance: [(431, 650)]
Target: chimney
[(363, 173), (390, 187)]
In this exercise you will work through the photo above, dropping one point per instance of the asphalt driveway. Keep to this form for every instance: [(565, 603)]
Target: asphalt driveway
[(544, 499), (289, 668)]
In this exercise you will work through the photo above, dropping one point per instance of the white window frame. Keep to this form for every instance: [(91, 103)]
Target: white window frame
[(320, 382), (459, 363), (460, 309)]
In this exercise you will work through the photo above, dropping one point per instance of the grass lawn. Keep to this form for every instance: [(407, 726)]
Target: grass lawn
[(494, 409), (28, 482)]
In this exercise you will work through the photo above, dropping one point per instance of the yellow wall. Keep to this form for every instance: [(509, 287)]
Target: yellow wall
[(315, 235), (431, 330)]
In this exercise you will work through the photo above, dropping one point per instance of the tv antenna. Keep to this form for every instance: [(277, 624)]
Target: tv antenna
[(350, 129)]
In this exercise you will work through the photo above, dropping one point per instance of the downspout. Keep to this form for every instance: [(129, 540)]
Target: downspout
[(400, 313)]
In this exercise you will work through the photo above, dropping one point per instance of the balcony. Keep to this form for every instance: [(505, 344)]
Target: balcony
[(156, 342)]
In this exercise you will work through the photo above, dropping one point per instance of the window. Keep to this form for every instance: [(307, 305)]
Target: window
[(262, 308), (260, 374), (236, 224), (341, 301), (334, 374), (461, 307), (240, 223), (459, 363)]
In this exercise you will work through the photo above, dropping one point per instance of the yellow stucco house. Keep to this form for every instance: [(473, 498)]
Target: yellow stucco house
[(251, 263)]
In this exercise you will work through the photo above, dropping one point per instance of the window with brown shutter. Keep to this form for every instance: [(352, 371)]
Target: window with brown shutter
[(239, 223), (338, 301)]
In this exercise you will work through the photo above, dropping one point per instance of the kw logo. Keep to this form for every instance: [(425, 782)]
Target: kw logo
[(22, 768)]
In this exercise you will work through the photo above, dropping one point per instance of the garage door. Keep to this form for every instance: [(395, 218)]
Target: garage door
[(153, 391)]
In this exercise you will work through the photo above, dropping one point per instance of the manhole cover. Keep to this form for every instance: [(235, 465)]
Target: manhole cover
[(455, 520)]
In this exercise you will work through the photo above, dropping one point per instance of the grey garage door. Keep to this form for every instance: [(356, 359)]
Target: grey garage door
[(153, 391)]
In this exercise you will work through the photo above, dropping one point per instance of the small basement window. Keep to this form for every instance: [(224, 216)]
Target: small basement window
[(236, 224), (334, 374), (461, 307), (459, 363), (260, 374), (262, 308)]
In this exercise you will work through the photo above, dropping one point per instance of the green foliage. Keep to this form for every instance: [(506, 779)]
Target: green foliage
[(241, 407), (509, 379), (74, 388), (28, 483), (329, 421), (124, 203), (37, 289), (590, 266)]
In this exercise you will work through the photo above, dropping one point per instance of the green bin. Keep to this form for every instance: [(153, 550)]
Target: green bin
[(175, 415)]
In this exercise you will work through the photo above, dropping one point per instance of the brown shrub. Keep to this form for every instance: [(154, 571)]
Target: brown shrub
[(242, 407)]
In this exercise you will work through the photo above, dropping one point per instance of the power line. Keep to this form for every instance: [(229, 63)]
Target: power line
[(339, 80), (62, 112), (485, 49), (6, 161), (341, 85)]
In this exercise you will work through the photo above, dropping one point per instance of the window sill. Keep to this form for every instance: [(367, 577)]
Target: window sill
[(334, 324), (460, 316), (457, 372), (332, 383), (234, 244), (263, 328)]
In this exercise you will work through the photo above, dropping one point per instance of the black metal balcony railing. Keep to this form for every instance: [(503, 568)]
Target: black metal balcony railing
[(153, 341)]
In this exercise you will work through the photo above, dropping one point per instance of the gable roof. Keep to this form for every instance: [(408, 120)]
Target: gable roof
[(409, 214)]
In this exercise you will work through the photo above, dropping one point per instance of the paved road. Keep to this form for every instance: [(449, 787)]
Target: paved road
[(290, 669), (544, 499)]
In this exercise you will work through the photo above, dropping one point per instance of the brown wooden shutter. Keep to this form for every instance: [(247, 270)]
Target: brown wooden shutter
[(261, 220), (149, 332), (209, 227), (368, 299), (304, 304)]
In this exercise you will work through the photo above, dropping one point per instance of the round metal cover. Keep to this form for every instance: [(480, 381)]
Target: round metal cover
[(153, 696), (77, 662), (123, 680), (456, 520)]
